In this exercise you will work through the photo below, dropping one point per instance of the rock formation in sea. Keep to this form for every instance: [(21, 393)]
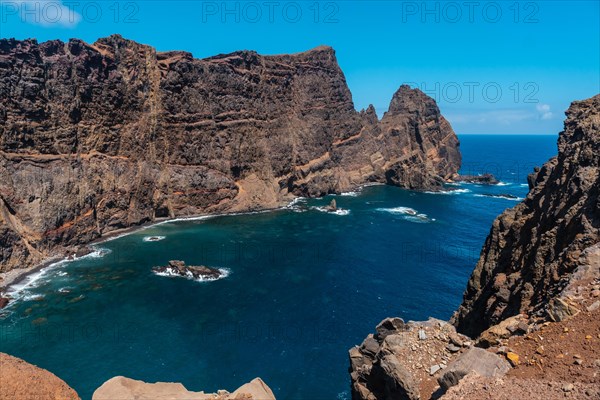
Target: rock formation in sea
[(104, 136), (197, 272), (532, 302)]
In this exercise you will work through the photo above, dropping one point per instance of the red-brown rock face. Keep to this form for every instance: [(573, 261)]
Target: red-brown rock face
[(99, 137), (533, 249)]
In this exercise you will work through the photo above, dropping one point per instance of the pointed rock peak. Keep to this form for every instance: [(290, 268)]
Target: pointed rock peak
[(370, 114), (407, 99)]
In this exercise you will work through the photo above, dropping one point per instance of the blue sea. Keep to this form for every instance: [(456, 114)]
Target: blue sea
[(302, 286)]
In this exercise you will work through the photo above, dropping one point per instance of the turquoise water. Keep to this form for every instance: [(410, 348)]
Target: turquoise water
[(303, 286)]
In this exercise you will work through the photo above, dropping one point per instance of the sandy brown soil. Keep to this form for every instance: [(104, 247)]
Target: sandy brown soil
[(510, 388), (560, 360), (20, 380)]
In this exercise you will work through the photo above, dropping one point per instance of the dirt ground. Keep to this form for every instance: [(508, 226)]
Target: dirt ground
[(20, 380)]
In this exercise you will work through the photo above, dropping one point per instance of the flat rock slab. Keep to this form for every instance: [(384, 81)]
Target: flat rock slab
[(476, 360), (122, 388)]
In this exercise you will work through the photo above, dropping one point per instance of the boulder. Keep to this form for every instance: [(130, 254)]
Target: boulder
[(476, 360), (511, 326), (3, 302), (560, 310), (389, 326)]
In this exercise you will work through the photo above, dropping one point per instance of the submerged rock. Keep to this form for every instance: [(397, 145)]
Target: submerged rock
[(501, 196), (485, 179), (200, 272)]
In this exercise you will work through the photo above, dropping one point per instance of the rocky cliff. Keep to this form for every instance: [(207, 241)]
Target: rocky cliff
[(534, 248), (533, 299), (99, 137)]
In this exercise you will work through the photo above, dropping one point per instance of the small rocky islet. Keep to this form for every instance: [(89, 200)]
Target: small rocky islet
[(195, 272)]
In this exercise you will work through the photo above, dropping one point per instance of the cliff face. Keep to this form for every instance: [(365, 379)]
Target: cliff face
[(540, 263), (534, 248), (95, 138)]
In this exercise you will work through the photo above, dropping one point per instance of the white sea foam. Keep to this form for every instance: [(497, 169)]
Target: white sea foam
[(408, 214), (339, 211), (350, 194), (499, 196), (97, 253), (32, 297), (451, 192), (296, 205), (399, 210), (153, 238), (22, 290), (225, 272), (369, 184), (503, 183), (419, 218)]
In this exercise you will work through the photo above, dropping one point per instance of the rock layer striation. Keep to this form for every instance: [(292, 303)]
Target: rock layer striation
[(533, 250), (104, 136)]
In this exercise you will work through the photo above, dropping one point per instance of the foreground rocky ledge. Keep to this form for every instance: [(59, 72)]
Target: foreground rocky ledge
[(122, 388), (532, 304), (21, 380)]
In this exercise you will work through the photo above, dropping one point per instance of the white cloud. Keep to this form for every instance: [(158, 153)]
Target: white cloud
[(497, 117), (49, 13), (544, 111), (500, 117)]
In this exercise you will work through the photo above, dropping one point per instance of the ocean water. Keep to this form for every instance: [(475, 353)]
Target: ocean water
[(303, 285)]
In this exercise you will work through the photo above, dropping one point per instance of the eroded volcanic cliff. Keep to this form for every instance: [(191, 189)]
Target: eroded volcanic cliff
[(532, 302), (534, 248), (98, 137)]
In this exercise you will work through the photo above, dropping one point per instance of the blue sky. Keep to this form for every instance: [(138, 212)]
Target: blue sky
[(493, 66)]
